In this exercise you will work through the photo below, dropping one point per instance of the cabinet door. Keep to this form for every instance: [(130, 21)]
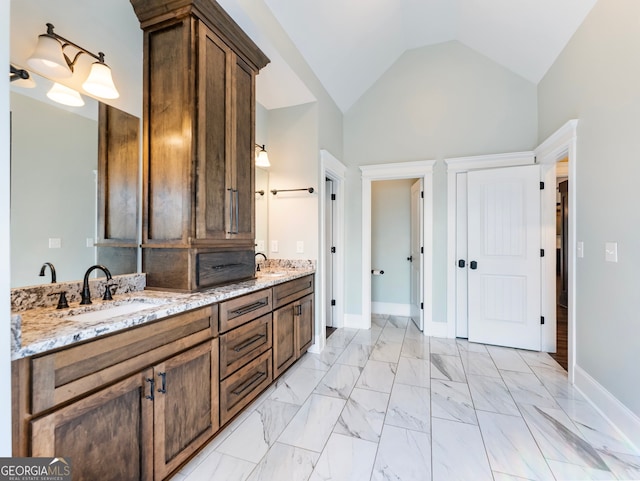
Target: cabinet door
[(304, 324), (284, 340), (214, 194), (243, 152), (107, 435), (186, 405)]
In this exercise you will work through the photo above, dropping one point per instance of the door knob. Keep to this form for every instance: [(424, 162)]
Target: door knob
[(461, 263), (410, 258), (473, 265)]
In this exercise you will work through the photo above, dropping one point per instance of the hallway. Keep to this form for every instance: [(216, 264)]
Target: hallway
[(391, 404)]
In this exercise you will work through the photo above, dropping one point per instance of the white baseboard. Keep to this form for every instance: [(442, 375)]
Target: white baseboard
[(391, 308), (609, 406), (355, 321)]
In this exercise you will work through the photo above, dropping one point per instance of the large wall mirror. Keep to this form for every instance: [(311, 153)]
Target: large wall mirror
[(54, 180)]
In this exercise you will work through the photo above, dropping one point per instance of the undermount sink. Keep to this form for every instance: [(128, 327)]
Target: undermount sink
[(103, 312), (272, 274)]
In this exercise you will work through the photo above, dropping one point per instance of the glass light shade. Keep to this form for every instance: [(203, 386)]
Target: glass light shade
[(262, 160), (100, 83), (48, 58), (64, 95)]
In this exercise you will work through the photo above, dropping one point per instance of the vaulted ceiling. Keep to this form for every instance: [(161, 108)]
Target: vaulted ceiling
[(349, 44)]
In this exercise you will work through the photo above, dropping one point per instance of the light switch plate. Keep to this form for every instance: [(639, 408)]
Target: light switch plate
[(580, 249), (260, 246), (300, 247), (55, 243), (274, 246), (611, 251)]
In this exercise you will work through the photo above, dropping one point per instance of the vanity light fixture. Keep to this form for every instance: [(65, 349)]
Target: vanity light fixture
[(262, 159), (49, 59), (65, 95)]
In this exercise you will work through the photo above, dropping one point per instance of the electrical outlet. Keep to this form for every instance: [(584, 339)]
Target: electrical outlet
[(580, 249), (260, 246), (55, 243), (274, 246), (89, 241), (300, 247)]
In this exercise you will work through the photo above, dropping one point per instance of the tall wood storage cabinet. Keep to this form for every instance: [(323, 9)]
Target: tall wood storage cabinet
[(198, 145)]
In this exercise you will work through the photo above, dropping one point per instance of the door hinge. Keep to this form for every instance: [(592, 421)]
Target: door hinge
[(422, 305), (541, 252), (421, 250), (333, 250), (422, 194), (333, 196), (333, 302), (541, 319), (541, 185)]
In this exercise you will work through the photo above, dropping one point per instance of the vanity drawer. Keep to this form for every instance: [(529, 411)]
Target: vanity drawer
[(63, 375), (215, 268), (241, 345), (235, 312), (244, 385), (292, 290)]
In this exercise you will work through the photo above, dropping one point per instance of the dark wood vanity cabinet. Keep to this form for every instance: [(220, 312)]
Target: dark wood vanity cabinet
[(293, 322), (134, 405), (198, 143)]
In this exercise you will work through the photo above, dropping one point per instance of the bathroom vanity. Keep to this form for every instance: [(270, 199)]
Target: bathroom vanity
[(151, 377)]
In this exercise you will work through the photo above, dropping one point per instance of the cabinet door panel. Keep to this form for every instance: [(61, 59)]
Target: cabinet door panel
[(244, 164), (304, 324), (214, 176), (186, 410), (107, 435), (284, 341)]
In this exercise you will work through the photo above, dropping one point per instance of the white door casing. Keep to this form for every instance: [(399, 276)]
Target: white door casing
[(416, 295), (504, 256)]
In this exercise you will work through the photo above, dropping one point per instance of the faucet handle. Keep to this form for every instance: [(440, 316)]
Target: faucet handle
[(108, 293), (62, 300)]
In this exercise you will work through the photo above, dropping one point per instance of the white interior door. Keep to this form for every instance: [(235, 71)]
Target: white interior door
[(330, 251), (416, 257), (504, 256)]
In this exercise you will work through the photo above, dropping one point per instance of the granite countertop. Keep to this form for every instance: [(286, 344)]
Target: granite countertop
[(42, 329)]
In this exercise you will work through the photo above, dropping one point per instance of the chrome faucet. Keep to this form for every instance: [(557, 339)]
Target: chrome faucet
[(86, 294), (51, 268), (257, 263)]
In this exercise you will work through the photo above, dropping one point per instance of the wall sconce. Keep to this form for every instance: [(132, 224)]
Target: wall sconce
[(262, 159), (49, 59)]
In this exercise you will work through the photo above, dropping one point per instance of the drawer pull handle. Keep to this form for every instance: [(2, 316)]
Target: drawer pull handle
[(163, 388), (153, 386), (250, 383), (248, 308), (246, 344), (224, 266)]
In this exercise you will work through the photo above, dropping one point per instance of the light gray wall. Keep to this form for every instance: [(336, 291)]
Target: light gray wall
[(596, 79), (5, 307), (294, 157), (435, 102), (53, 190), (391, 240)]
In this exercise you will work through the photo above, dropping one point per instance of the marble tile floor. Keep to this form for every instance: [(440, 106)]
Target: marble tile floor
[(391, 404)]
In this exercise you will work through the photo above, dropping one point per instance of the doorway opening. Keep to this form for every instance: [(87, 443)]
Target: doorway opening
[(403, 170), (562, 261), (330, 274)]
